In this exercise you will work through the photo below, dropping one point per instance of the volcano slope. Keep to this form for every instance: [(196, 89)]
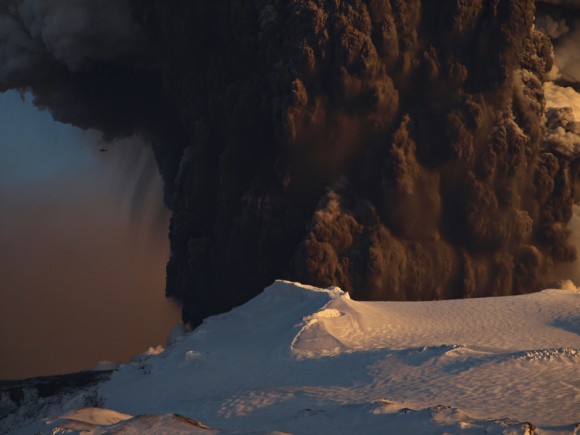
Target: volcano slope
[(304, 360)]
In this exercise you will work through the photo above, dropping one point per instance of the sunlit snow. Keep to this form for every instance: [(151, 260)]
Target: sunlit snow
[(298, 359)]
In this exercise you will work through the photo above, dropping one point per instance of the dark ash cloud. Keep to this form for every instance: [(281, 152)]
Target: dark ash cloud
[(561, 22), (394, 148)]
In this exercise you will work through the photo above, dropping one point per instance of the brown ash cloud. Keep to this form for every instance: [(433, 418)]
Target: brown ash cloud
[(560, 20), (394, 148)]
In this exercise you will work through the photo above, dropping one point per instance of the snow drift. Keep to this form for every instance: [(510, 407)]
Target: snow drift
[(299, 359)]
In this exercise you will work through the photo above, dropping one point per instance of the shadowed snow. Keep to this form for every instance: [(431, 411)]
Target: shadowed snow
[(298, 359)]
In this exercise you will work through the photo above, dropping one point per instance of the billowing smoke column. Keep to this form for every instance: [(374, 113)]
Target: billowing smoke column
[(560, 20), (396, 148), (92, 65)]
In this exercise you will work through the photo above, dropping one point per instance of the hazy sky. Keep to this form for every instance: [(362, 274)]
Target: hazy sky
[(82, 263)]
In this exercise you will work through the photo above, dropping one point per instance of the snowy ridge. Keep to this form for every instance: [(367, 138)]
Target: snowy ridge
[(298, 359)]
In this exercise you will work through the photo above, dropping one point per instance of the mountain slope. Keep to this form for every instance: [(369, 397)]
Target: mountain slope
[(299, 359)]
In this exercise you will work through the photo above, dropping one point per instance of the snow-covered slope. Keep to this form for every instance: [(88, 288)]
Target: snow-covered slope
[(297, 359)]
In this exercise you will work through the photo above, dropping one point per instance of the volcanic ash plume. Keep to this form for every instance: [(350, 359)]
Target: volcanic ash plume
[(93, 66), (395, 148), (560, 20)]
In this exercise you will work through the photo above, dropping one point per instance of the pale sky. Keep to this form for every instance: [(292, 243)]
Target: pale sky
[(82, 270), (34, 148)]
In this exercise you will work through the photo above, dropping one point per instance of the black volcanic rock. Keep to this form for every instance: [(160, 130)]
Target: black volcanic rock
[(16, 394)]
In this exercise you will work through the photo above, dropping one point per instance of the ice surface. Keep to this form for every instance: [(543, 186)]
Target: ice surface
[(297, 359)]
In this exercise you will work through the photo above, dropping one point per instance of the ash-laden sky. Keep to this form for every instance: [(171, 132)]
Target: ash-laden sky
[(400, 149), (83, 246)]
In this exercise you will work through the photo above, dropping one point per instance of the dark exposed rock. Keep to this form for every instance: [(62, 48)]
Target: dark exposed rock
[(17, 393)]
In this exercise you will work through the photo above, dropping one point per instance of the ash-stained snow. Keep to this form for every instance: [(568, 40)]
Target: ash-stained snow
[(298, 359)]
